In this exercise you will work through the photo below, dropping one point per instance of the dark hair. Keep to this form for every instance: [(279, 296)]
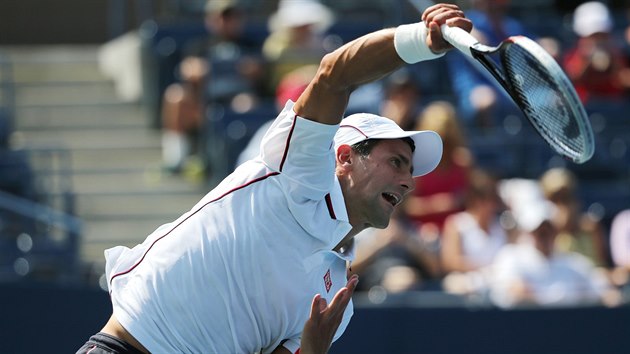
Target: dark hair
[(364, 147), (481, 185)]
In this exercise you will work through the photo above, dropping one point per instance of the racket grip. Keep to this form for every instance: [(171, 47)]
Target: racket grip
[(459, 38)]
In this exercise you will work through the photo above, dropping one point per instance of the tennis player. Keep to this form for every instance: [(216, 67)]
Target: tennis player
[(260, 263)]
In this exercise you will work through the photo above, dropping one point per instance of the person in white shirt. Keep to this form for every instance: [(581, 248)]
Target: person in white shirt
[(472, 238), (259, 264), (533, 272), (620, 248)]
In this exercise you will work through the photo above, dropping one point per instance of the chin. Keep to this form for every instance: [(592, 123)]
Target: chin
[(380, 224)]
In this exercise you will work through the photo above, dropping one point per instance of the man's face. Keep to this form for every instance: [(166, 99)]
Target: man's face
[(374, 185), (544, 238)]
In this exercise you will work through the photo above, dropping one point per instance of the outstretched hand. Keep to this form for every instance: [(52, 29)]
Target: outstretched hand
[(439, 14), (320, 328)]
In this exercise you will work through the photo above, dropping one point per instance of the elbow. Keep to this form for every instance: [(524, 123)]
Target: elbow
[(330, 74)]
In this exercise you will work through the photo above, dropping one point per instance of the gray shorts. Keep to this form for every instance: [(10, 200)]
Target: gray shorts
[(102, 343)]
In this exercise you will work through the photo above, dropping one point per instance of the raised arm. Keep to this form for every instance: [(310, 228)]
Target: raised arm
[(371, 57)]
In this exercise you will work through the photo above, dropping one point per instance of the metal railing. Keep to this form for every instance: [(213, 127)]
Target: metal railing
[(36, 241)]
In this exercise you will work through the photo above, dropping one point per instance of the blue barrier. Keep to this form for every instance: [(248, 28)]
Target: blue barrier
[(37, 318)]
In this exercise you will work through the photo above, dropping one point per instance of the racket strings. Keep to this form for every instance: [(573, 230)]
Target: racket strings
[(543, 101)]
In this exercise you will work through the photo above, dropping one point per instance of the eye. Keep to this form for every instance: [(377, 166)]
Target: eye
[(396, 162)]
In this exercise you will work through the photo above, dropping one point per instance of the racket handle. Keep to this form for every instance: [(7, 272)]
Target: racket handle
[(459, 38)]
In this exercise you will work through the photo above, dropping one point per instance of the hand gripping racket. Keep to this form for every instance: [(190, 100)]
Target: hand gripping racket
[(538, 86)]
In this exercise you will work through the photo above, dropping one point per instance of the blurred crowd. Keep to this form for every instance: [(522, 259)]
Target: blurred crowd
[(470, 228)]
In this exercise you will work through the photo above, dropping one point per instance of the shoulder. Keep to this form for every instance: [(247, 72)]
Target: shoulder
[(575, 260), (589, 225)]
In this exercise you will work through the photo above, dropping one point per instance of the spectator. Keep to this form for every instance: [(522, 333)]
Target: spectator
[(620, 239), (534, 272), (442, 193), (236, 63), (394, 258), (296, 36), (402, 97), (578, 232), (479, 100), (293, 83), (225, 65), (596, 64), (182, 113), (290, 87), (472, 238), (620, 247)]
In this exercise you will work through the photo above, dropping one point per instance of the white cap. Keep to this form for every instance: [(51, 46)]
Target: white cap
[(529, 217), (527, 202), (592, 17), (296, 13), (363, 126)]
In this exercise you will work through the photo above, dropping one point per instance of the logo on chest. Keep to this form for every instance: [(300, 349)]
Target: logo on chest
[(327, 281)]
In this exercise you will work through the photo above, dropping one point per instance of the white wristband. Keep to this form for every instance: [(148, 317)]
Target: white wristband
[(410, 43)]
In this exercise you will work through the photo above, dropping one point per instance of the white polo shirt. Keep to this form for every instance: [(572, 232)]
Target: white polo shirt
[(238, 272)]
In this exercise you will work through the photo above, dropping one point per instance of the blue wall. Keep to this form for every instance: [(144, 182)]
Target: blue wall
[(47, 319), (487, 331)]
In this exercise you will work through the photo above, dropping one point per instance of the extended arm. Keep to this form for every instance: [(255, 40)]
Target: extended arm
[(367, 59)]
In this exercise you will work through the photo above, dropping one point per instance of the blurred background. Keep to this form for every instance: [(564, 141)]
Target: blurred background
[(116, 116)]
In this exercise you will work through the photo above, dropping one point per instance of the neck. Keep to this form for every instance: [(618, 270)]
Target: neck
[(482, 218), (347, 241), (344, 246)]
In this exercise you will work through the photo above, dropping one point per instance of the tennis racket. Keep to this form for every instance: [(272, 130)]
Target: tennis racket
[(538, 86)]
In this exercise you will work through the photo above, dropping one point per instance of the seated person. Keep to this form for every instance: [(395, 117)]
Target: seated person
[(225, 65), (442, 193), (620, 247), (296, 36), (534, 272), (596, 64), (480, 101), (577, 231), (472, 238), (395, 259)]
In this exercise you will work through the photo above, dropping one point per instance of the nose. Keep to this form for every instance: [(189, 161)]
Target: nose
[(408, 183)]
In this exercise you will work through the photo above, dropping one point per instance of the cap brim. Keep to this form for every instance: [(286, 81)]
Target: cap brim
[(428, 152)]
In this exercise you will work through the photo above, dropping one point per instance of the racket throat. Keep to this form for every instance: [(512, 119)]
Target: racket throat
[(492, 67)]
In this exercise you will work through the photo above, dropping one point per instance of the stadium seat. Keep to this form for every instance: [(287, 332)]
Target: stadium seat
[(227, 132)]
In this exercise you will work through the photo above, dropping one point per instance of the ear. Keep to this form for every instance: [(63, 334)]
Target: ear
[(344, 155)]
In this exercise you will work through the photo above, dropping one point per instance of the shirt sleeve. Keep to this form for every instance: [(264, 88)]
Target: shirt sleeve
[(302, 151), (293, 345)]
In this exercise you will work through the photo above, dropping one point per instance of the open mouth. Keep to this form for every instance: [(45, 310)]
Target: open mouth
[(391, 198)]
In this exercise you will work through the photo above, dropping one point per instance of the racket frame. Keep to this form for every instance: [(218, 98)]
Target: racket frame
[(469, 45)]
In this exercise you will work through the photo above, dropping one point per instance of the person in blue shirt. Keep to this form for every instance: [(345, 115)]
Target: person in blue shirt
[(480, 101)]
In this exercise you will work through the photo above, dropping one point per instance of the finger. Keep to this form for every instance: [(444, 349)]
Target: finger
[(316, 306), (462, 23), (442, 16), (437, 7), (340, 296), (430, 17), (352, 283), (322, 304), (433, 11), (342, 299), (435, 34)]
